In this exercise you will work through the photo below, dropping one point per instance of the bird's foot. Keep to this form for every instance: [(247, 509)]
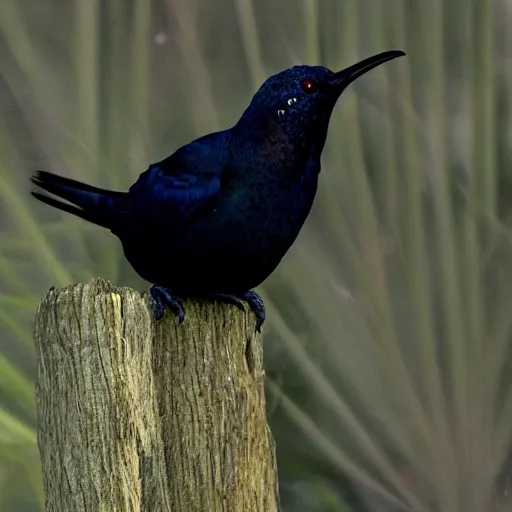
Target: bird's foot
[(161, 297), (254, 301)]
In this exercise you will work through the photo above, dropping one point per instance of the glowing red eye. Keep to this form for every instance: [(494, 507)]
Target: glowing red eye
[(309, 85)]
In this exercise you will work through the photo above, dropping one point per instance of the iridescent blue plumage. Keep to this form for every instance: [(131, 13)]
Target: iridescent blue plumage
[(215, 218), (172, 191)]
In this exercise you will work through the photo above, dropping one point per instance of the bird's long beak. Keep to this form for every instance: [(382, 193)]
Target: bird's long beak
[(348, 75)]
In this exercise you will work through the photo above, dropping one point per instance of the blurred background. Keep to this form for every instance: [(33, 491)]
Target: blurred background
[(388, 339)]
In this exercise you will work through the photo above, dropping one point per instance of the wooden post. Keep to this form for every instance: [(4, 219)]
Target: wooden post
[(135, 415)]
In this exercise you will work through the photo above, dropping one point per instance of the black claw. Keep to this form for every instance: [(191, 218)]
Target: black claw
[(228, 299), (161, 297), (258, 308), (254, 301)]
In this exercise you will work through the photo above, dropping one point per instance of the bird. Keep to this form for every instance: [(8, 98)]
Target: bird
[(214, 219)]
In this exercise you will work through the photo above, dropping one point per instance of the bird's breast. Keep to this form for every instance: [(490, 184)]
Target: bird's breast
[(272, 214)]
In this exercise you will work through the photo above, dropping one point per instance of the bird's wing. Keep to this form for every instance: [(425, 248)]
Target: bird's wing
[(170, 193)]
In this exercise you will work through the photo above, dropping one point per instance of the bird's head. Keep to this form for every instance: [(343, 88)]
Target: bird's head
[(300, 100)]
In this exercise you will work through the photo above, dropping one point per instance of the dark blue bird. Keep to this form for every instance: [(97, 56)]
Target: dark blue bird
[(214, 219)]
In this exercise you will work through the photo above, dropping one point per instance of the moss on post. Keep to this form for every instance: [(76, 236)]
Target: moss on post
[(134, 415)]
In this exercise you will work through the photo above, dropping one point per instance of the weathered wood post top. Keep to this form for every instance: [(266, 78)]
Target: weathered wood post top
[(135, 415)]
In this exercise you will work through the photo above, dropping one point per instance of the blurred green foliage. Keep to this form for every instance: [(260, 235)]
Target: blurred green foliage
[(388, 342)]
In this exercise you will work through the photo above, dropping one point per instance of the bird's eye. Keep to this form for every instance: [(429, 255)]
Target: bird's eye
[(309, 85)]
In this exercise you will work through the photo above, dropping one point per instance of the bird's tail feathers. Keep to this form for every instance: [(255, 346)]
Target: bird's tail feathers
[(90, 203)]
